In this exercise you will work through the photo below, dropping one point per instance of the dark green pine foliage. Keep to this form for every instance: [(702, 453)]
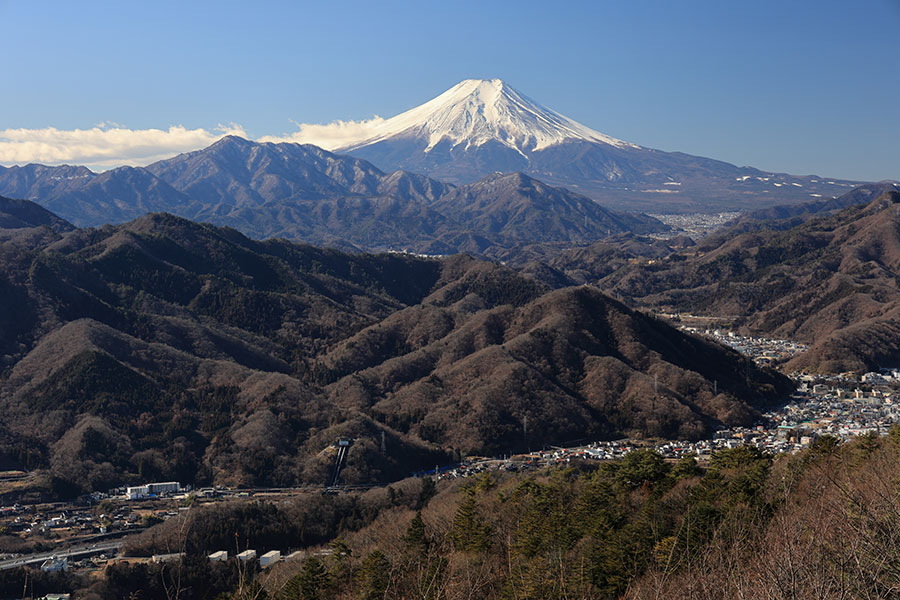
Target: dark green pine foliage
[(374, 576), (340, 569), (686, 468), (470, 531), (416, 537), (310, 583)]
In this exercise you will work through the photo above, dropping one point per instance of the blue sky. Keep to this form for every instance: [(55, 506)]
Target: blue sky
[(802, 87)]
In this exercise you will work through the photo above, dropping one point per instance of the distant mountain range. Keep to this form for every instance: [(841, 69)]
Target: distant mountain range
[(479, 127), (787, 216), (307, 194)]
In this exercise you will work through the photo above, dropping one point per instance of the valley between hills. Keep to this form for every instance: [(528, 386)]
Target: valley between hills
[(168, 349), (164, 348)]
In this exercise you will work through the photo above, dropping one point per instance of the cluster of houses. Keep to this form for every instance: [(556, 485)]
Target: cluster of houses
[(842, 412), (886, 376), (816, 410), (66, 523), (841, 406), (763, 351), (694, 225)]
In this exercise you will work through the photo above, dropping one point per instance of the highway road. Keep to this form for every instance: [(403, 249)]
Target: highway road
[(71, 553)]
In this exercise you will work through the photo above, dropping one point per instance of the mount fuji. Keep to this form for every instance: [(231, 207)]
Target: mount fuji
[(479, 127), (477, 112)]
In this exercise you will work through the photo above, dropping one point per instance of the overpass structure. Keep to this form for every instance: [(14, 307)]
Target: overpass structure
[(71, 553)]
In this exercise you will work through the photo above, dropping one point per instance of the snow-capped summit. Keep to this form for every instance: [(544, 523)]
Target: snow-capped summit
[(483, 126), (477, 111)]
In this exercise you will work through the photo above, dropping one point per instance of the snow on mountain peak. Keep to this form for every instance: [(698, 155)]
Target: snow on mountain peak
[(476, 111)]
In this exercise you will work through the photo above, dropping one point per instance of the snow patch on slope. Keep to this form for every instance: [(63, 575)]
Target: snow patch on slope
[(477, 111)]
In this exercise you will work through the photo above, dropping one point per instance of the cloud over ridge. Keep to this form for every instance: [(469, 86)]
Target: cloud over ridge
[(105, 145), (333, 135), (109, 145)]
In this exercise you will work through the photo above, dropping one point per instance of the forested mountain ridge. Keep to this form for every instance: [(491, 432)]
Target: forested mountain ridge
[(575, 363), (830, 281), (164, 348), (22, 214)]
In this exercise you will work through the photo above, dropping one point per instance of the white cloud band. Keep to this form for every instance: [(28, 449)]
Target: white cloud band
[(331, 136), (111, 145), (104, 146)]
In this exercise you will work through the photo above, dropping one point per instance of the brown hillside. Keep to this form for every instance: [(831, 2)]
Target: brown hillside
[(164, 348), (831, 282), (573, 363)]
